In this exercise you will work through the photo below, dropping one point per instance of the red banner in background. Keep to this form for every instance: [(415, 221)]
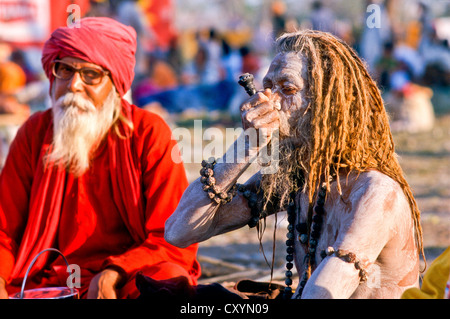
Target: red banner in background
[(159, 16), (30, 22), (59, 11), (16, 11)]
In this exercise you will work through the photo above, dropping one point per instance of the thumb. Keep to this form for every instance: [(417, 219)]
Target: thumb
[(268, 93)]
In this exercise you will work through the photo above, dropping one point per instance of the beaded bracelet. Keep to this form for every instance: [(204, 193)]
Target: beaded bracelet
[(348, 257), (218, 197), (253, 204), (209, 184)]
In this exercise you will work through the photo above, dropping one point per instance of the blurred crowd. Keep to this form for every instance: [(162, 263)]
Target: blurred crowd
[(199, 68)]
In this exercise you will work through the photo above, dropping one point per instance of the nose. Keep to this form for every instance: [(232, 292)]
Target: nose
[(276, 92), (75, 83), (276, 99)]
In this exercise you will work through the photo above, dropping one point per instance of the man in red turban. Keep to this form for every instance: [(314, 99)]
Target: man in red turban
[(93, 176)]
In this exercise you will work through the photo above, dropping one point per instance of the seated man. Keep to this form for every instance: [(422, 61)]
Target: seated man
[(354, 229), (92, 177)]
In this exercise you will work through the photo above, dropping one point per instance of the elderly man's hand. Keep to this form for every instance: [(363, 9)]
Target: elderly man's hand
[(261, 113), (103, 285)]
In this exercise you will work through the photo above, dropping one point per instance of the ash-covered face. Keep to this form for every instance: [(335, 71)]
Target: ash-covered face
[(287, 80)]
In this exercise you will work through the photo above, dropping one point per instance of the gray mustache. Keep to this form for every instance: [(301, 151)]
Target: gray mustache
[(75, 100)]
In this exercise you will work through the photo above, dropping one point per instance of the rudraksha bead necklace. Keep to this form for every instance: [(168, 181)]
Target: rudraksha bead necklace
[(292, 212), (291, 215), (309, 234)]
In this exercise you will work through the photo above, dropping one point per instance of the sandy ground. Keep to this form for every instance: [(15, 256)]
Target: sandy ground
[(425, 158)]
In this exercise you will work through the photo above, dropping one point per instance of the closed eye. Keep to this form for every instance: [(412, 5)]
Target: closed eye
[(289, 90)]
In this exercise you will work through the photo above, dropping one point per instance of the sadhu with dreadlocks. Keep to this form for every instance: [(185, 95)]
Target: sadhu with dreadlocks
[(354, 226)]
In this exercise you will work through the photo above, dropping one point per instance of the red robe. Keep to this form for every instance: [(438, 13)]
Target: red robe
[(111, 216)]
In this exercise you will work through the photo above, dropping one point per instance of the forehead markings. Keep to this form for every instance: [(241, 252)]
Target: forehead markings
[(287, 67)]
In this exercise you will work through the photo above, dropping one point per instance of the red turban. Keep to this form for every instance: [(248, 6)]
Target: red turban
[(100, 40)]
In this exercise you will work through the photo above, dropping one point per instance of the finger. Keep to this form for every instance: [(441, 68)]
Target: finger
[(273, 126), (268, 93), (268, 118), (256, 99), (258, 111), (266, 133)]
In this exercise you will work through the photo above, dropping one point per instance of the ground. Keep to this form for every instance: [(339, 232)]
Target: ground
[(425, 159)]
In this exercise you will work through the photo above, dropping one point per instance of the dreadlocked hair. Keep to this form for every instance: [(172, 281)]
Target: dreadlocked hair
[(349, 126)]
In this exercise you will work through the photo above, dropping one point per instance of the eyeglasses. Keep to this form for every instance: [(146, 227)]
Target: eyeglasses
[(65, 71)]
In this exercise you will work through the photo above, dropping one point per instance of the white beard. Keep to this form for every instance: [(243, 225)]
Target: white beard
[(78, 129), (294, 146)]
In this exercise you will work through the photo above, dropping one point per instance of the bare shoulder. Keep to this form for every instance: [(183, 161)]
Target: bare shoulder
[(373, 189), (372, 208), (370, 181)]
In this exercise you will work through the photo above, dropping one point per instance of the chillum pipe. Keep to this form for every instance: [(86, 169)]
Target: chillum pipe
[(246, 81)]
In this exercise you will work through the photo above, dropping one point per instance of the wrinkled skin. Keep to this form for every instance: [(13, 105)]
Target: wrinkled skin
[(370, 218)]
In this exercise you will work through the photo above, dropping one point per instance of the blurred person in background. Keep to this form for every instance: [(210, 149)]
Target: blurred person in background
[(13, 112), (207, 63), (250, 61), (322, 18), (279, 19), (374, 36), (231, 61), (12, 80), (129, 12)]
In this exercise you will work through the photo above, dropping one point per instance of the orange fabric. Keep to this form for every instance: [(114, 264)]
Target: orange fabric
[(113, 215), (12, 77), (164, 76)]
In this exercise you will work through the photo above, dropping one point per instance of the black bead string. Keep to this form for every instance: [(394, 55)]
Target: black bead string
[(309, 236), (291, 215), (292, 212), (253, 204)]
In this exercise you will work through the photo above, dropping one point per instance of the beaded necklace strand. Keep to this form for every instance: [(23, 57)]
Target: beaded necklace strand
[(309, 234)]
